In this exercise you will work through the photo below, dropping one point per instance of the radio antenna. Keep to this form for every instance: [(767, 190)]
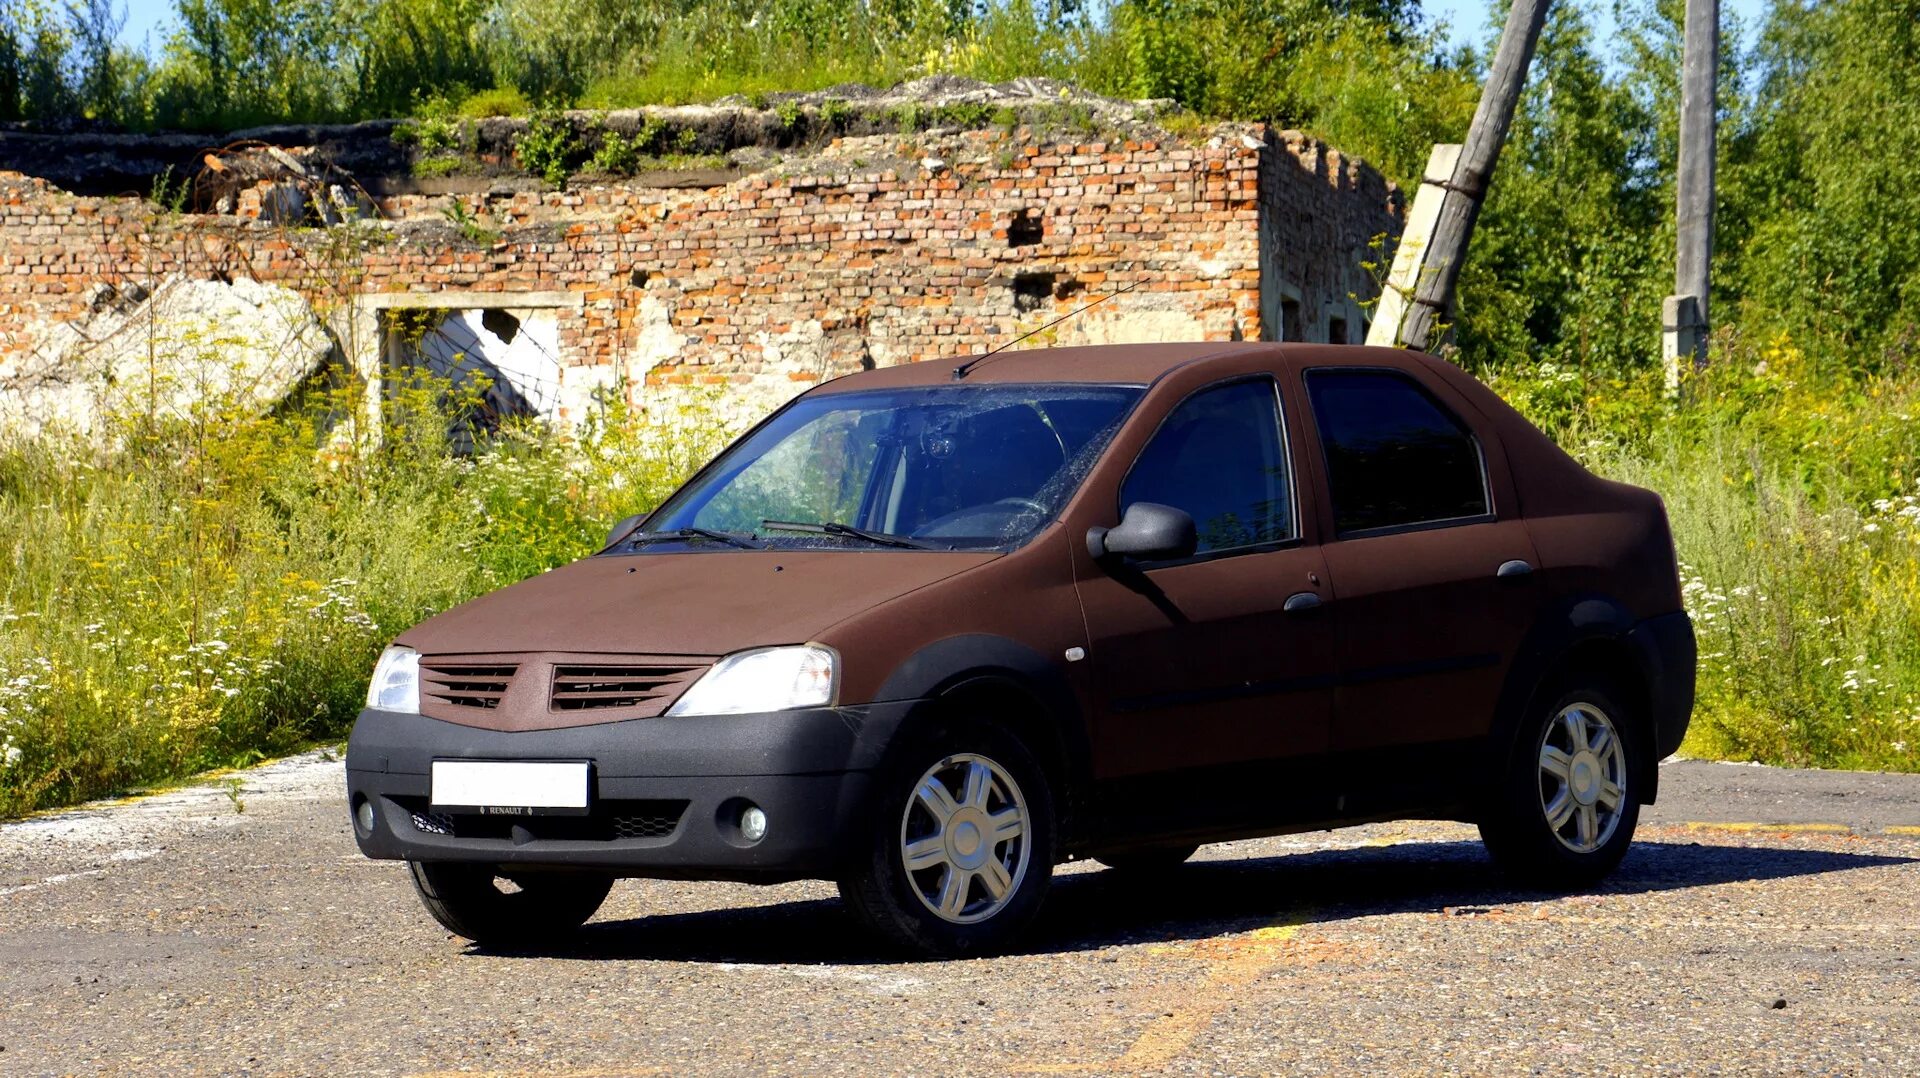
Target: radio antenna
[(966, 368)]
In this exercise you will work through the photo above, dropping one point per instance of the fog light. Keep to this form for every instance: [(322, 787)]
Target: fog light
[(753, 824), (363, 816)]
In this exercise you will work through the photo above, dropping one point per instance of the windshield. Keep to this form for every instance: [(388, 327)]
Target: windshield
[(948, 467)]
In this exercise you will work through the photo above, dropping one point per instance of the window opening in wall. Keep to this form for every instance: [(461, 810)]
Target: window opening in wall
[(501, 324), (1026, 229), (1337, 330), (1291, 327), (505, 360), (1032, 291)]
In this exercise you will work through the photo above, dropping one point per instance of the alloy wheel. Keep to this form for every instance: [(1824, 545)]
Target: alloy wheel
[(1583, 777), (963, 838)]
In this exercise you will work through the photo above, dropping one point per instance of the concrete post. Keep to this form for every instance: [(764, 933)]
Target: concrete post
[(1410, 254)]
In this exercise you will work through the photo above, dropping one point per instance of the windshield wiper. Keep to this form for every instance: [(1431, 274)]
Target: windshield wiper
[(834, 527), (729, 538)]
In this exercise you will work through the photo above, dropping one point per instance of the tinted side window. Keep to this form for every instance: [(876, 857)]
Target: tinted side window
[(1220, 457), (1395, 456)]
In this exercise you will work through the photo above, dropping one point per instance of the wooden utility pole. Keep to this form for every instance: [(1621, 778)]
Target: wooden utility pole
[(1434, 265), (1684, 330)]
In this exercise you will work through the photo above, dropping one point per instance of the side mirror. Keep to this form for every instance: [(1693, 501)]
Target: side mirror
[(1147, 531), (621, 529)]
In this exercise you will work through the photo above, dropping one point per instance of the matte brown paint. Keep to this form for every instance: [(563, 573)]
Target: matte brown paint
[(1189, 664), (698, 605)]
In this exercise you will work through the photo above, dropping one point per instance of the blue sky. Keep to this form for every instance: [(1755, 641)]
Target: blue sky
[(1469, 20)]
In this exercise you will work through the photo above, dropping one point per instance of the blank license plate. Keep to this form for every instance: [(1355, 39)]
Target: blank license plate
[(503, 788)]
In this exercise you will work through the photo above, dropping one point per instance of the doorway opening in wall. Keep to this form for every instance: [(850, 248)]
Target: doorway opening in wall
[(492, 365), (1291, 327), (1337, 330)]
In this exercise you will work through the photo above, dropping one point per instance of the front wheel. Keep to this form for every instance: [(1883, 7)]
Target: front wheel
[(1567, 806), (960, 851), (493, 910)]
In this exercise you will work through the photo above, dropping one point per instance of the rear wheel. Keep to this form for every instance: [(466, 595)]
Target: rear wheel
[(497, 910), (960, 851), (1153, 859), (1569, 801)]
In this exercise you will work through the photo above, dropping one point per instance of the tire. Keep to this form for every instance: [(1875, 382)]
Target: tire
[(979, 881), (468, 900), (1148, 860), (1556, 831)]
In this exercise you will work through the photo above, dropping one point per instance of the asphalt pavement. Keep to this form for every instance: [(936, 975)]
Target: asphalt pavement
[(1767, 921)]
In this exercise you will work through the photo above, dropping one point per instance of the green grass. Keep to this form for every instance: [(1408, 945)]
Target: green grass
[(214, 592)]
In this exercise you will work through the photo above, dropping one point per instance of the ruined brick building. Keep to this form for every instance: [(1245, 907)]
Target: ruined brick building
[(765, 275)]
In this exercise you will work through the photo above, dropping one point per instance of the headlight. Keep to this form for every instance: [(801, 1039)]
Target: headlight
[(396, 681), (764, 679)]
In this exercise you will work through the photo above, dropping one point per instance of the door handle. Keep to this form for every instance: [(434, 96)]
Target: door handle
[(1300, 602), (1512, 570)]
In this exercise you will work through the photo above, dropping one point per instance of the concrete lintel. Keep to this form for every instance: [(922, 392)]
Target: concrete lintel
[(461, 301)]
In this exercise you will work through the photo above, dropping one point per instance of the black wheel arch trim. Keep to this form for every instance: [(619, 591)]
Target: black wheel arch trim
[(978, 660), (1658, 650)]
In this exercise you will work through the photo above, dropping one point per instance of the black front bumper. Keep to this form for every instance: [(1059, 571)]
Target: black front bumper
[(666, 793)]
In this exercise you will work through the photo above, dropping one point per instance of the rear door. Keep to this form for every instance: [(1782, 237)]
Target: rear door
[(1431, 567)]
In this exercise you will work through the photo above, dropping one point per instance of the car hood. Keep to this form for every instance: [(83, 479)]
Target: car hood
[(705, 603)]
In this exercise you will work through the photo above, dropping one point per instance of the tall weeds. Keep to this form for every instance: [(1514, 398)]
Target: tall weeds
[(1793, 487), (215, 589)]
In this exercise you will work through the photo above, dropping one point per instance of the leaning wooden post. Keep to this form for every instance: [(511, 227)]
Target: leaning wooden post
[(1432, 299), (1684, 321)]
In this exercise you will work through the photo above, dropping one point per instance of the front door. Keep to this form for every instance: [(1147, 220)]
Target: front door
[(1199, 665)]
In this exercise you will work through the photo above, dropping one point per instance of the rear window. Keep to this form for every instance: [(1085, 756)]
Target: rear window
[(1396, 457)]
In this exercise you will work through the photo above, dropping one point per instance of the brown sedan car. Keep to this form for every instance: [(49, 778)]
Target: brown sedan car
[(928, 631)]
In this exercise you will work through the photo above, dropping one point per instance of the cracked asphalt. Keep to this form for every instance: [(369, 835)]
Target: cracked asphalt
[(1767, 921)]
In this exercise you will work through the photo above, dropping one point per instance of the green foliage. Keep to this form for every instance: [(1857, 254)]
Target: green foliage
[(834, 113), (548, 147), (469, 225), (1572, 258), (788, 113), (1793, 486), (1820, 178), (435, 127), (617, 154), (499, 101), (216, 587)]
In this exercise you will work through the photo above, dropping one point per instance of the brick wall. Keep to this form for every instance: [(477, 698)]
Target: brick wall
[(870, 253)]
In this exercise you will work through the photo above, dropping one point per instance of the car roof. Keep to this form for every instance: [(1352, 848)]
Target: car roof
[(1130, 364)]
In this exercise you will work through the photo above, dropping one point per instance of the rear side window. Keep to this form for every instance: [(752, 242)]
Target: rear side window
[(1395, 456), (1220, 456)]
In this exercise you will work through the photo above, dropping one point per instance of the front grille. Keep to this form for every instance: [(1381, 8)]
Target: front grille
[(610, 821), (580, 687), (433, 823), (478, 685), (653, 823)]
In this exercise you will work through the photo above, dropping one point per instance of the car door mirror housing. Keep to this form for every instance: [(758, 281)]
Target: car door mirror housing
[(1147, 531), (621, 529)]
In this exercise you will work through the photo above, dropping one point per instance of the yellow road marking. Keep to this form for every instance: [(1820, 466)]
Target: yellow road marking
[(1900, 830), (1234, 963), (1773, 828)]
